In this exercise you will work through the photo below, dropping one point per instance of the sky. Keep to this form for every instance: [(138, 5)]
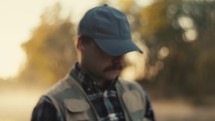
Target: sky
[(18, 19)]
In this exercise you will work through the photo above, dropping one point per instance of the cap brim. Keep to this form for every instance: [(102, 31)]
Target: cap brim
[(117, 47)]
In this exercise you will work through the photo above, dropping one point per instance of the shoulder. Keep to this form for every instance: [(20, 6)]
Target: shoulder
[(58, 92), (60, 86), (44, 110), (67, 88), (132, 85)]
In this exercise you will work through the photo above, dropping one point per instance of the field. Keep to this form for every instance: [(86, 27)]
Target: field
[(16, 104)]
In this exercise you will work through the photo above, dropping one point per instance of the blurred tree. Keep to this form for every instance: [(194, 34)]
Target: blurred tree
[(50, 51), (179, 36), (188, 36)]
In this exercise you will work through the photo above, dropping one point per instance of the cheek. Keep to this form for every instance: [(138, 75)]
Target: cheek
[(96, 60), (98, 65), (93, 62)]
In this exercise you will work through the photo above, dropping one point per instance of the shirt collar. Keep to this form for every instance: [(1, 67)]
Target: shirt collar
[(86, 81)]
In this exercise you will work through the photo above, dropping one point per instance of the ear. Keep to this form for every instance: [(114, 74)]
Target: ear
[(80, 45)]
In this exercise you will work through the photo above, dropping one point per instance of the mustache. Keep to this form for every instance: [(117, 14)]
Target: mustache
[(115, 66)]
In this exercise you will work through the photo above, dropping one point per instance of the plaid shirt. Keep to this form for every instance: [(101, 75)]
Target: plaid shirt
[(105, 102)]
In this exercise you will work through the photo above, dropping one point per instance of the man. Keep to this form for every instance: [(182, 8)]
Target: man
[(93, 91)]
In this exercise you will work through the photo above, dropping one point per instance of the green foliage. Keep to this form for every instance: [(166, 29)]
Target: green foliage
[(50, 51), (185, 30), (178, 35), (186, 67)]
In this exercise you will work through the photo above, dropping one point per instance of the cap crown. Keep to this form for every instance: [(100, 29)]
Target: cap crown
[(105, 22), (110, 30)]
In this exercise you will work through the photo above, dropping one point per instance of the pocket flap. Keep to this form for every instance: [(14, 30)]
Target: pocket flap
[(76, 105)]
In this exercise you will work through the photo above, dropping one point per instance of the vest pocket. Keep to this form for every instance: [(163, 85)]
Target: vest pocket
[(76, 110)]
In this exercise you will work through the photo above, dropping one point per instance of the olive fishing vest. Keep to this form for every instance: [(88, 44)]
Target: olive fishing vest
[(73, 104)]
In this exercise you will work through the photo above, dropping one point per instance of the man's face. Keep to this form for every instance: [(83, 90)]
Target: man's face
[(99, 64)]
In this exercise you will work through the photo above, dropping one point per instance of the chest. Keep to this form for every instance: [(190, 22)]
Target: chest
[(128, 106)]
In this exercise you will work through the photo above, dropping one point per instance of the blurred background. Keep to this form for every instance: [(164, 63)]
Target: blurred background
[(177, 67)]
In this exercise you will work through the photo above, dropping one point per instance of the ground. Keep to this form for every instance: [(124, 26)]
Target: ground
[(17, 103)]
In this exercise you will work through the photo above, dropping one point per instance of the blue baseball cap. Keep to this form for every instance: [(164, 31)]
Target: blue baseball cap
[(110, 30)]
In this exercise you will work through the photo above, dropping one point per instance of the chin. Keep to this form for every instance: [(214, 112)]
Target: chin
[(111, 75)]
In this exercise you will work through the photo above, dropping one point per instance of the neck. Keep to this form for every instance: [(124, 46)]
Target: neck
[(101, 83)]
